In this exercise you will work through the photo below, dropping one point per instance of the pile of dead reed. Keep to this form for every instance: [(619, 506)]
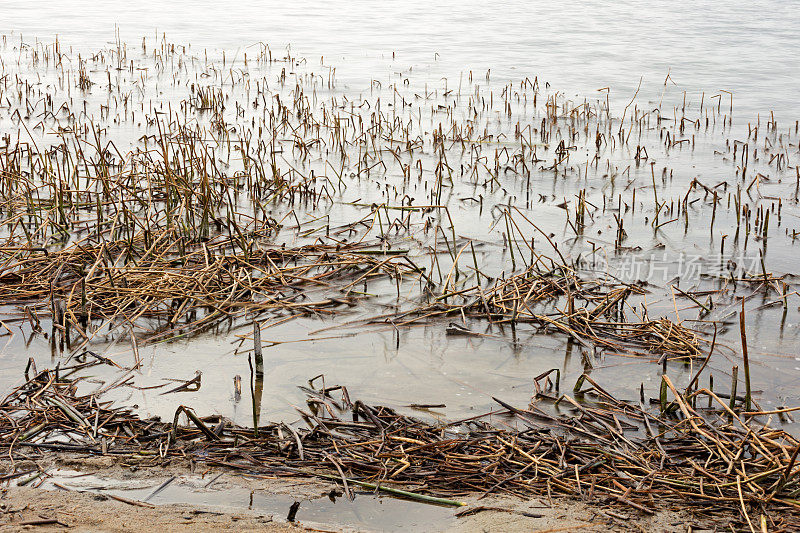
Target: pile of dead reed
[(160, 283), (593, 311), (722, 466)]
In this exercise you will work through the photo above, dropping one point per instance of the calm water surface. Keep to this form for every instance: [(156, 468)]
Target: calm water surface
[(747, 48)]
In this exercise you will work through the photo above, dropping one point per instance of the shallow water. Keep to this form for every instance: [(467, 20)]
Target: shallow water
[(366, 512), (746, 48)]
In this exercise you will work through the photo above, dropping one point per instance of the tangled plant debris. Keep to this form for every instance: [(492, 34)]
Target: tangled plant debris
[(720, 464)]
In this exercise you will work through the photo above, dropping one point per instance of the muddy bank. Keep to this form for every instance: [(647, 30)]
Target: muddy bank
[(90, 494), (25, 509)]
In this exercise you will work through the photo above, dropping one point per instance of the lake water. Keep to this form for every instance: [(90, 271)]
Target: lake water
[(749, 48), (584, 51)]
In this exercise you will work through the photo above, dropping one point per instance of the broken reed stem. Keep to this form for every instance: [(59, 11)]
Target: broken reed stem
[(747, 393), (257, 349)]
